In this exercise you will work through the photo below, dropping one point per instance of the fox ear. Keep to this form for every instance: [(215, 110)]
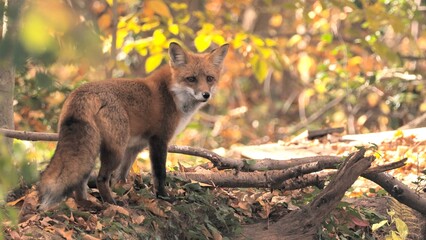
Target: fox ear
[(218, 55), (177, 54)]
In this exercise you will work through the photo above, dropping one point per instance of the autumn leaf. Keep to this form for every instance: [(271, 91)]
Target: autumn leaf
[(378, 225), (152, 62), (202, 42), (174, 28), (158, 7), (402, 228), (65, 234)]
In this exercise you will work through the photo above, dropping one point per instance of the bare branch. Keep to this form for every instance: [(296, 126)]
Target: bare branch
[(399, 191), (29, 136)]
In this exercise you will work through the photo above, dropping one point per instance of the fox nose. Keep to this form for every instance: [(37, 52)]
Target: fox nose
[(206, 95)]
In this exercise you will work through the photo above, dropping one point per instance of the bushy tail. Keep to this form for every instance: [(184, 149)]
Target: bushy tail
[(73, 161)]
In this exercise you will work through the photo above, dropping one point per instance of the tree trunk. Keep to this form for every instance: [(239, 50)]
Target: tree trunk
[(7, 77)]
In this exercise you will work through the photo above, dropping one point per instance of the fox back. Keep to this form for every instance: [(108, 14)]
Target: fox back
[(118, 118)]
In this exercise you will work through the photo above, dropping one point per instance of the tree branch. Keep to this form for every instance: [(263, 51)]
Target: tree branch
[(398, 190)]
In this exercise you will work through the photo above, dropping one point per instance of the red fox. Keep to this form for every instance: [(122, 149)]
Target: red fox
[(118, 118)]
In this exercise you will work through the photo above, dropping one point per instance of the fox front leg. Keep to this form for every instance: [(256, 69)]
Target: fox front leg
[(158, 156)]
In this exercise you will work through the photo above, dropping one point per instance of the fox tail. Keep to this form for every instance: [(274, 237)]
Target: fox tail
[(72, 163)]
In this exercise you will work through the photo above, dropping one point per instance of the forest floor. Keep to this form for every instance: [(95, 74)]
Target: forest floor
[(200, 211)]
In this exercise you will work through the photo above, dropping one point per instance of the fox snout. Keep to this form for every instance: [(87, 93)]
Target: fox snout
[(206, 96)]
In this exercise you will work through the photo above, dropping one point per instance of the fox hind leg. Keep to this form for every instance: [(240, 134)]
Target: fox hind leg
[(110, 160), (129, 158)]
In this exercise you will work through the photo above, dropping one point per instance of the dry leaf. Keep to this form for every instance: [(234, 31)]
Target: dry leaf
[(138, 219), (152, 206), (65, 234), (89, 237), (71, 203), (46, 221)]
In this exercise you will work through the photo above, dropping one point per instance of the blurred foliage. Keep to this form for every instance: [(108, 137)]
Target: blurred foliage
[(15, 170), (288, 60)]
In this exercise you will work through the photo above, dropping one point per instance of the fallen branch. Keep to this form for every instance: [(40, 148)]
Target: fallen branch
[(304, 223), (276, 179)]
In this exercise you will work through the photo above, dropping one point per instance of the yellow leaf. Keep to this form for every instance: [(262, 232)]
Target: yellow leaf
[(294, 40), (402, 228), (158, 38), (202, 42), (152, 62), (304, 66), (218, 39), (395, 236), (378, 225), (260, 68), (354, 60), (422, 107), (377, 155), (174, 28), (398, 134), (136, 168)]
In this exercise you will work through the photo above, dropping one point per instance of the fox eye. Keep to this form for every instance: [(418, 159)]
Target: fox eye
[(210, 79), (191, 79)]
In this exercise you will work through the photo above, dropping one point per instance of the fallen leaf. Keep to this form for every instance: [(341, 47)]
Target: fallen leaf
[(71, 203), (89, 237), (113, 209), (152, 206), (360, 222), (65, 234), (138, 219), (47, 221)]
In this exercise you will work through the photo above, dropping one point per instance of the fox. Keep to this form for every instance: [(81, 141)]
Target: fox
[(117, 118)]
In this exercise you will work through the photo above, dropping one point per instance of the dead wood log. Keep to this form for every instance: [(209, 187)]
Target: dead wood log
[(277, 179), (304, 223)]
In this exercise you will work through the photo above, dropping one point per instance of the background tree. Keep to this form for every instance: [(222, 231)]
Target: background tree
[(9, 13)]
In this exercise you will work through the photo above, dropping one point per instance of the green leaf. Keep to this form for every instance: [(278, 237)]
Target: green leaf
[(379, 225), (152, 62), (202, 42), (327, 37)]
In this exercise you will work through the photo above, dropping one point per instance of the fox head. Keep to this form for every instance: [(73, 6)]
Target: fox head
[(194, 75)]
